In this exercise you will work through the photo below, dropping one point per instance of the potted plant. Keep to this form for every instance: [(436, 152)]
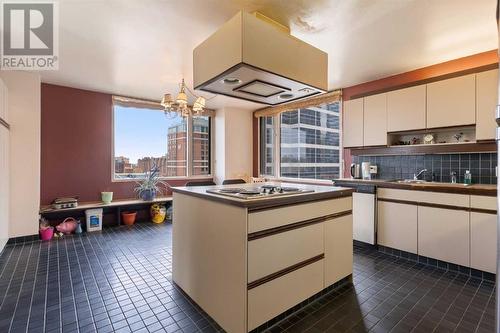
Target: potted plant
[(148, 188)]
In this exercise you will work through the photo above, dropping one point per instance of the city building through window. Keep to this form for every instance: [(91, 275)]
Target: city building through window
[(144, 138), (302, 144)]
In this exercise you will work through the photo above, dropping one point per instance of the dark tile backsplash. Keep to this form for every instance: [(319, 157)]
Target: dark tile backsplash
[(481, 165)]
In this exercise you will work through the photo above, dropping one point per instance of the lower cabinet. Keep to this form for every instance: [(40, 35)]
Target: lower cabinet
[(272, 298), (444, 234), (397, 226), (338, 249), (483, 241)]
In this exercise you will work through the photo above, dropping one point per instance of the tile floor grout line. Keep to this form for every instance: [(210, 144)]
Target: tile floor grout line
[(20, 290)]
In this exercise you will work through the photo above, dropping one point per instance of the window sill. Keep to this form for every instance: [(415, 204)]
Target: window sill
[(165, 179)]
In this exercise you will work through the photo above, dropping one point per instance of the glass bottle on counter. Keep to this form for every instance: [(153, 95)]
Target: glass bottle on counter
[(467, 177)]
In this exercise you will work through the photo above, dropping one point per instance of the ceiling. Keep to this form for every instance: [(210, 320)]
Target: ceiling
[(144, 48)]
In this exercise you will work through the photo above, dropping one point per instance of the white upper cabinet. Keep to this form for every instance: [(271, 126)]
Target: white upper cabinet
[(452, 102), (353, 123), (486, 101), (406, 109), (375, 120)]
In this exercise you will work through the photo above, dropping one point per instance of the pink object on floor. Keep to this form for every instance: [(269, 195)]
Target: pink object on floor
[(47, 234), (67, 226)]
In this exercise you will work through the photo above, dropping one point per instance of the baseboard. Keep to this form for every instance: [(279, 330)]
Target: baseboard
[(444, 265)]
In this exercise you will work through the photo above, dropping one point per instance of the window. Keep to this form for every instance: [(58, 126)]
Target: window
[(309, 143), (144, 137)]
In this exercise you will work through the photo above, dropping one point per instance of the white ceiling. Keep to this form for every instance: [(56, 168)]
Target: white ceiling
[(142, 48)]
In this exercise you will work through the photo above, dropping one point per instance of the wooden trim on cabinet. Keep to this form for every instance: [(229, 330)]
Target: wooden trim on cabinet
[(284, 271), (4, 123), (484, 211), (292, 226)]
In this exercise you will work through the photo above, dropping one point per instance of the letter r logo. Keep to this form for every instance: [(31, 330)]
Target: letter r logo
[(28, 29)]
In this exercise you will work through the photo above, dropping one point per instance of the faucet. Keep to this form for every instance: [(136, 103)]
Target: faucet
[(415, 176)]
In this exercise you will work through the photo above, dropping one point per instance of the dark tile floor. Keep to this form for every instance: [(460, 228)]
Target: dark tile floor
[(120, 281)]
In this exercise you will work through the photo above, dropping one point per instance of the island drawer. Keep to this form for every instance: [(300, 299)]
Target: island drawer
[(268, 300), (277, 217), (271, 254)]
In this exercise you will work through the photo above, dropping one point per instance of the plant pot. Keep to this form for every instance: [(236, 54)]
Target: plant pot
[(107, 197), (47, 234), (158, 213), (148, 195), (128, 218)]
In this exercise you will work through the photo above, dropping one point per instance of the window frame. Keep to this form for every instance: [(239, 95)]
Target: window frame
[(189, 153), (277, 151)]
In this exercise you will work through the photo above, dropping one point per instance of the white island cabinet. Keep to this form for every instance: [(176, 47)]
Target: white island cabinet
[(246, 261)]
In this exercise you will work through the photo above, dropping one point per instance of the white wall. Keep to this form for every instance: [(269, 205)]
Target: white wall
[(4, 169), (233, 144), (25, 128)]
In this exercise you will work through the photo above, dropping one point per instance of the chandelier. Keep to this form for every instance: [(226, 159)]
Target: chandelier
[(180, 106)]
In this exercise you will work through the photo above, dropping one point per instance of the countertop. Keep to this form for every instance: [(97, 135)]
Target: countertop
[(474, 189), (320, 193)]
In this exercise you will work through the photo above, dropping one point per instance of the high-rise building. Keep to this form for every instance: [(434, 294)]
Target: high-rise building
[(177, 148)]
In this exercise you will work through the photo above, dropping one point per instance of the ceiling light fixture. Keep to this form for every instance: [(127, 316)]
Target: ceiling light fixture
[(180, 106)]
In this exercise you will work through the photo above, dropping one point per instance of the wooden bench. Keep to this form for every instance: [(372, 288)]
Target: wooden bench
[(115, 207)]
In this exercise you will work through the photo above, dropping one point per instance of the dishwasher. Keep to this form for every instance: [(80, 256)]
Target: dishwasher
[(364, 210)]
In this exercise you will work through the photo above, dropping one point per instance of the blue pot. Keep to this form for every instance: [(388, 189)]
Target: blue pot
[(148, 195)]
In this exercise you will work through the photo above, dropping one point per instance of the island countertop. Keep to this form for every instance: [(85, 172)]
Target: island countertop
[(320, 192)]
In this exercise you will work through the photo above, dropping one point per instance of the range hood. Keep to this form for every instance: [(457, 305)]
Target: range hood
[(253, 59)]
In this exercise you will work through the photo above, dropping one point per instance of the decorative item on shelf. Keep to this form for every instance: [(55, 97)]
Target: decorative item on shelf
[(458, 136), (45, 230), (128, 218), (158, 213), (415, 141), (67, 226), (68, 202), (170, 214), (180, 105), (106, 197), (151, 185), (429, 139)]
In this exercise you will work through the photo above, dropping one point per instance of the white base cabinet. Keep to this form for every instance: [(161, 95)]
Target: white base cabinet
[(483, 241), (397, 226), (338, 249), (444, 234)]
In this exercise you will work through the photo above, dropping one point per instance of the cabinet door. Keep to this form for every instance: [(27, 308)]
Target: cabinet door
[(375, 120), (397, 226), (406, 109), (486, 101), (338, 249), (444, 234), (452, 102), (352, 128), (483, 241)]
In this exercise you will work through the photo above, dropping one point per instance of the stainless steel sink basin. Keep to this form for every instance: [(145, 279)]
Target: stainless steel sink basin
[(412, 181)]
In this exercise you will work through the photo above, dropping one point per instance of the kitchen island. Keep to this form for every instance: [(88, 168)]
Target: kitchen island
[(246, 259)]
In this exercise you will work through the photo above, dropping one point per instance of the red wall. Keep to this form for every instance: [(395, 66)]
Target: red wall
[(76, 145)]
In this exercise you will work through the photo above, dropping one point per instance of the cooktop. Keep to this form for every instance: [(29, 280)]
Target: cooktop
[(258, 192)]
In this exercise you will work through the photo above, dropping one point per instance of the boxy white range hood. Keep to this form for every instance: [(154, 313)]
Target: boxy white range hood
[(251, 59)]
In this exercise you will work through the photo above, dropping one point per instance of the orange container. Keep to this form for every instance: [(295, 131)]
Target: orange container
[(128, 218)]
